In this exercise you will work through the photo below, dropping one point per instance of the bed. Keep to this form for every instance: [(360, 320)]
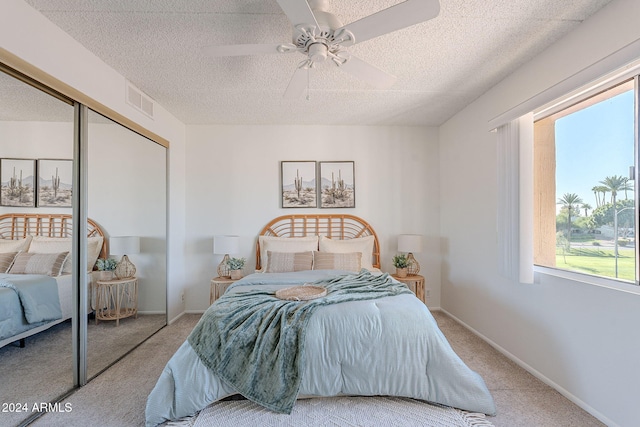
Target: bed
[(35, 272), (369, 335)]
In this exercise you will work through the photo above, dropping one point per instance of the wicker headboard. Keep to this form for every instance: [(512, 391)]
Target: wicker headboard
[(338, 226), (19, 225)]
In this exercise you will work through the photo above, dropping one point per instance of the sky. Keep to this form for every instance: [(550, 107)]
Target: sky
[(594, 143)]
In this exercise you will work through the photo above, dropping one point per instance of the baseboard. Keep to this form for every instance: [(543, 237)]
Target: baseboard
[(194, 311), (536, 373), (176, 318)]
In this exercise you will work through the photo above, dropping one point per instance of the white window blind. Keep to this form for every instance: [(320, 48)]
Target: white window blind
[(515, 199)]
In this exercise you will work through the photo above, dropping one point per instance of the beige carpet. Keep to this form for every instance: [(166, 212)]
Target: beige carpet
[(337, 412), (43, 370), (117, 397)]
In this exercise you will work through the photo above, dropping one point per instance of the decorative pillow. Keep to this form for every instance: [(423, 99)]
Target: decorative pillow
[(285, 244), (283, 262), (6, 259), (20, 245), (361, 244), (337, 261), (32, 263), (49, 245)]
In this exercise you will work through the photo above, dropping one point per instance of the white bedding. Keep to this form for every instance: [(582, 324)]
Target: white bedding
[(386, 346), (65, 294)]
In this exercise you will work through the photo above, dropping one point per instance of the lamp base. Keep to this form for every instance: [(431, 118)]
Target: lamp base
[(414, 267), (223, 268), (125, 268)]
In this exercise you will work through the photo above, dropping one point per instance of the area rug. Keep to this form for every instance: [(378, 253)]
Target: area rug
[(337, 412)]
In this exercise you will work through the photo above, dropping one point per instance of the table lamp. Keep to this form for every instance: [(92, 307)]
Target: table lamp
[(410, 243), (123, 245), (225, 245)]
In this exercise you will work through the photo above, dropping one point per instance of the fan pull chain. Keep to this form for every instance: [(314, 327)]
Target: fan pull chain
[(308, 84)]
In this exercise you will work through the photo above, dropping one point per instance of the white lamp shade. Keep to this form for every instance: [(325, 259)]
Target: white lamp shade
[(223, 245), (410, 243), (124, 245)]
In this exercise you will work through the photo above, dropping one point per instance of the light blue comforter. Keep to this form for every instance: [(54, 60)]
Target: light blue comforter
[(388, 346), (27, 301)]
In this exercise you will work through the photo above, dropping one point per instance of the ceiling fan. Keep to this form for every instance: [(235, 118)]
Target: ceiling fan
[(319, 35)]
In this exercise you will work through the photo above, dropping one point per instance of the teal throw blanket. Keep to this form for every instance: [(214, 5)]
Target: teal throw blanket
[(255, 342)]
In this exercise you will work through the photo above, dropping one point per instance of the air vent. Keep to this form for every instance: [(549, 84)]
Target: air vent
[(139, 100)]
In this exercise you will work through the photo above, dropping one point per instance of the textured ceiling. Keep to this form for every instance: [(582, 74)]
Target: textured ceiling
[(441, 65)]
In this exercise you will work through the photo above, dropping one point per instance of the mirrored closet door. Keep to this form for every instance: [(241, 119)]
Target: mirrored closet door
[(36, 132), (125, 199)]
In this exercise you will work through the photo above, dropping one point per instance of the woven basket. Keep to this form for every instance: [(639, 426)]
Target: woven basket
[(301, 293)]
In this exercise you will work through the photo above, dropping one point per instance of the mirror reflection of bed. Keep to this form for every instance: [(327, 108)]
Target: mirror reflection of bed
[(36, 306)]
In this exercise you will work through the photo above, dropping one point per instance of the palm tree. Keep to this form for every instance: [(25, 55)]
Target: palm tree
[(597, 190), (571, 202), (614, 184), (586, 207)]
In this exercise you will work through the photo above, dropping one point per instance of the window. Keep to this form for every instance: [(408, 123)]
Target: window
[(585, 203)]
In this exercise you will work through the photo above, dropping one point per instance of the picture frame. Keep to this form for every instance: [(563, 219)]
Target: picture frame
[(17, 182), (298, 187), (337, 184), (55, 183)]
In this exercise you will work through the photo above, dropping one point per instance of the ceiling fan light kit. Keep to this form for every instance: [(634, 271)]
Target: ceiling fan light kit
[(319, 35)]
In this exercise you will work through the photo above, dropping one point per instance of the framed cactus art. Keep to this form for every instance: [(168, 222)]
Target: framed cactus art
[(17, 182), (337, 185), (55, 179), (298, 184)]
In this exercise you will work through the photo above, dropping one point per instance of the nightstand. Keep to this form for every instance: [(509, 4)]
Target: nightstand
[(116, 299), (218, 287), (415, 283)]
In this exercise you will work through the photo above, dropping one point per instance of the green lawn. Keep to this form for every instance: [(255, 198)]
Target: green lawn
[(600, 262)]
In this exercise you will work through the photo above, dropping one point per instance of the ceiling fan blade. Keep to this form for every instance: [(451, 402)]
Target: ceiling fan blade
[(248, 49), (298, 84), (368, 73), (394, 18), (298, 12)]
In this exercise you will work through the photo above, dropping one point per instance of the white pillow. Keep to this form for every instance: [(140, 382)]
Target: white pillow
[(20, 245), (285, 244), (361, 244), (49, 245)]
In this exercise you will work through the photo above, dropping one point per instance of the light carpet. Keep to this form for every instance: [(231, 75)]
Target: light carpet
[(343, 411)]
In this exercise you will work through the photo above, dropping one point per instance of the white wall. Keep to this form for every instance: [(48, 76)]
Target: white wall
[(25, 33), (233, 181), (583, 339)]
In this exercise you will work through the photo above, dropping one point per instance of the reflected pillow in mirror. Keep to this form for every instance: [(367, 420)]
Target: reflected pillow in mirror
[(48, 245), (6, 259), (15, 245), (32, 263)]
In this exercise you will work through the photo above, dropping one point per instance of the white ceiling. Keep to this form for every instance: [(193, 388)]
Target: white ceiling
[(441, 65)]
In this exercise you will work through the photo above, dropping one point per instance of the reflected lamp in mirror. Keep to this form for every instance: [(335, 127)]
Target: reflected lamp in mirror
[(123, 245), (411, 243), (225, 245)]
